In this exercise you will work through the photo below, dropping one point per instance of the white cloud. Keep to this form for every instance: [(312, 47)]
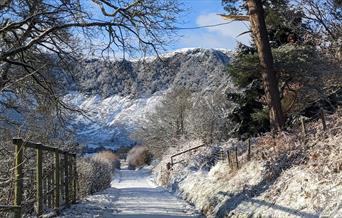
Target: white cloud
[(206, 40), (232, 29), (224, 36)]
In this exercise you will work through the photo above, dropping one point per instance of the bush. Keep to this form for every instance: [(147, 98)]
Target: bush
[(138, 156), (122, 152), (94, 175), (110, 157)]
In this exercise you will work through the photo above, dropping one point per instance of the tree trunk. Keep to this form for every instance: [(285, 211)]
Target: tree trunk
[(270, 80)]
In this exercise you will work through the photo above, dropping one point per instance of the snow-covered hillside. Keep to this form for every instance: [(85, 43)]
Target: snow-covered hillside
[(109, 121), (117, 95), (285, 176), (195, 69)]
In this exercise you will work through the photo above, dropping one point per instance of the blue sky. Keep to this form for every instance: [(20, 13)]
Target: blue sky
[(204, 12), (197, 13)]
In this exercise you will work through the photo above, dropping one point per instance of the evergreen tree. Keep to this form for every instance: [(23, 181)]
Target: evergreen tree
[(256, 14)]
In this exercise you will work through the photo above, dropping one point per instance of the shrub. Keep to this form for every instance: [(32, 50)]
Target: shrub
[(138, 156), (110, 157), (122, 152), (94, 175)]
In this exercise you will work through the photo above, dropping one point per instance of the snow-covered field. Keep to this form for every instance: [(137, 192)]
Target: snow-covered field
[(132, 194)]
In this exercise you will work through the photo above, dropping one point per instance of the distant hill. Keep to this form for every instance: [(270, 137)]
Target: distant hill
[(191, 68), (117, 94)]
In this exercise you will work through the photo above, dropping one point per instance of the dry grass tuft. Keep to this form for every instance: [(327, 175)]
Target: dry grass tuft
[(110, 157), (138, 156)]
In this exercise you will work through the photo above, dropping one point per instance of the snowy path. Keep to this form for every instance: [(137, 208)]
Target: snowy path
[(132, 194)]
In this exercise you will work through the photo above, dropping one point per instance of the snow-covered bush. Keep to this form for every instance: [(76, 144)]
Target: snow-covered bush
[(138, 156), (110, 157), (94, 174)]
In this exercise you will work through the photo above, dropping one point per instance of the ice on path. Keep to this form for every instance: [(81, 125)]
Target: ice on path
[(132, 194)]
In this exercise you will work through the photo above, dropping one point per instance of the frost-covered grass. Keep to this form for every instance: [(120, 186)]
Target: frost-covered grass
[(94, 174), (285, 178), (205, 182)]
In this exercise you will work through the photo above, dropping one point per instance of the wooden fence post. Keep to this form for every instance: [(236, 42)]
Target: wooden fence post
[(66, 178), (18, 191), (323, 120), (57, 180), (274, 139), (71, 178), (228, 157), (39, 181), (303, 126), (49, 196), (45, 190), (168, 166), (236, 158), (249, 150), (62, 180), (75, 179)]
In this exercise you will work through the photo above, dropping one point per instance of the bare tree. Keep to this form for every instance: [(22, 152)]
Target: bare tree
[(209, 117), (40, 39), (37, 35), (325, 19), (183, 115), (168, 123)]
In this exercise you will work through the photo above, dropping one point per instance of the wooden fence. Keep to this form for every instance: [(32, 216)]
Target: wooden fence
[(55, 187), (182, 152), (221, 155), (231, 155)]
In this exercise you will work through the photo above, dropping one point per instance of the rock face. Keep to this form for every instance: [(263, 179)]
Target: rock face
[(117, 94)]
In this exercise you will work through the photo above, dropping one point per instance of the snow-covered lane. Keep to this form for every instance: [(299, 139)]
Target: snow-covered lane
[(132, 194)]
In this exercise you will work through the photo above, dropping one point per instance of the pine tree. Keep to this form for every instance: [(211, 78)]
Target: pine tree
[(260, 35)]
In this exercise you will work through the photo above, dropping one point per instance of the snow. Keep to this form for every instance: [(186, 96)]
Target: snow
[(183, 51), (117, 95), (132, 194), (110, 120), (209, 190), (308, 182)]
